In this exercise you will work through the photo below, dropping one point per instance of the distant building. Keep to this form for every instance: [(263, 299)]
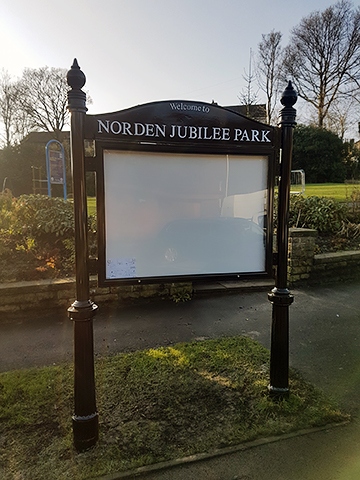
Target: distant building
[(43, 137), (256, 112)]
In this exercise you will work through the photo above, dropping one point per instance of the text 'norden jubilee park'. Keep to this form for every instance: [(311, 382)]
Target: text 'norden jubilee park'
[(190, 132)]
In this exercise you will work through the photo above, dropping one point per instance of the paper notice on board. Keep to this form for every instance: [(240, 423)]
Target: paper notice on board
[(121, 268)]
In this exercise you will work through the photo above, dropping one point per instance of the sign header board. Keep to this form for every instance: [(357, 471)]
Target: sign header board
[(179, 122)]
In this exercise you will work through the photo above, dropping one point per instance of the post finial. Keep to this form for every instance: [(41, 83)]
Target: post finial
[(288, 112), (76, 80), (75, 77), (289, 96)]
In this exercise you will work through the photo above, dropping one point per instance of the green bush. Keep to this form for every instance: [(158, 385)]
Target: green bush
[(5, 219), (321, 213), (37, 237), (39, 215)]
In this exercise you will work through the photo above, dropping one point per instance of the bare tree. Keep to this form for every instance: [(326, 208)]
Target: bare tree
[(43, 95), (35, 102), (247, 96), (8, 108), (323, 56), (342, 117), (268, 69)]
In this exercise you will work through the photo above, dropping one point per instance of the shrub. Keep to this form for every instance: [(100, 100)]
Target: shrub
[(350, 230), (37, 233), (39, 215), (5, 219), (323, 214)]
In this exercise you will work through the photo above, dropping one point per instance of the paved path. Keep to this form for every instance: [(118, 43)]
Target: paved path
[(324, 346)]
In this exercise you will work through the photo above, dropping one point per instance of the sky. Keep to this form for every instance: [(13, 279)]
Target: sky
[(139, 51)]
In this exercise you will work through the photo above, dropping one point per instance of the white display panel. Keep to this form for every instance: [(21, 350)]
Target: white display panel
[(183, 214)]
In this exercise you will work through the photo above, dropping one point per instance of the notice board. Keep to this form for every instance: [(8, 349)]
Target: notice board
[(185, 191)]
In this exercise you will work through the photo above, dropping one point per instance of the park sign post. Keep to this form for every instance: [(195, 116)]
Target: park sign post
[(82, 311), (184, 193), (280, 296)]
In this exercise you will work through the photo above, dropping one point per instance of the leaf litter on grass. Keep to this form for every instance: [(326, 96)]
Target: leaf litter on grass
[(154, 405)]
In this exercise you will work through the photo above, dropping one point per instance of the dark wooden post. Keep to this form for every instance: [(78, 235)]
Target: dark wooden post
[(82, 311), (280, 296)]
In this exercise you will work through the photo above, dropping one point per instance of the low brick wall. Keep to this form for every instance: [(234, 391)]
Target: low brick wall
[(336, 266), (301, 253), (305, 265), (25, 295), (61, 293)]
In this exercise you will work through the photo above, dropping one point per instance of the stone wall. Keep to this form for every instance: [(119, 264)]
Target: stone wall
[(301, 253), (61, 293), (305, 265), (335, 267)]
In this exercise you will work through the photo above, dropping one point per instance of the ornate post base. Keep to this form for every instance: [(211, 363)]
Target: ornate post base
[(279, 353), (85, 431), (85, 419)]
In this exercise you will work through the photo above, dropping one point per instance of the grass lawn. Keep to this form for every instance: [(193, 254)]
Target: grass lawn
[(339, 191), (91, 204), (154, 405)]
